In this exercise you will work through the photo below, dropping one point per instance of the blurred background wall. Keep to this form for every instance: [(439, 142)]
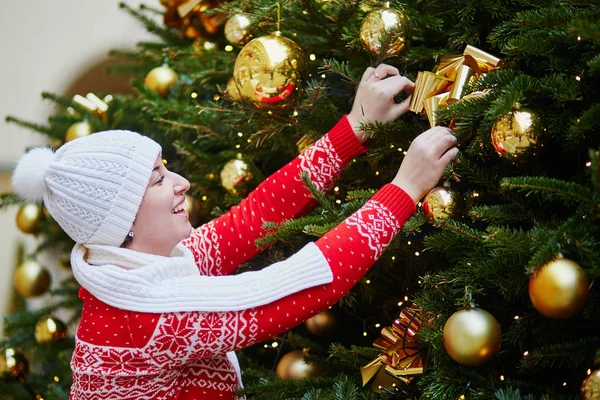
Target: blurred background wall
[(59, 46)]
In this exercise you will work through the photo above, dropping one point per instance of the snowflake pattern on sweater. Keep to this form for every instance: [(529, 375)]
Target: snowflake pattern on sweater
[(121, 354)]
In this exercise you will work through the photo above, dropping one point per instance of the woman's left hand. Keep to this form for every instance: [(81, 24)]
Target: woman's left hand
[(374, 100)]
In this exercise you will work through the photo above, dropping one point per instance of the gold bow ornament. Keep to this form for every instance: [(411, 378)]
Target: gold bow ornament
[(449, 81), (400, 357)]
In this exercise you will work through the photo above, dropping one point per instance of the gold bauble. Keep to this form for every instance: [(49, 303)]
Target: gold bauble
[(77, 130), (516, 133), (439, 203), (321, 323), (161, 79), (237, 29), (236, 177), (385, 27), (269, 72), (559, 289), (590, 389), (232, 90), (472, 336), (49, 329), (13, 363), (292, 367), (29, 217), (31, 279)]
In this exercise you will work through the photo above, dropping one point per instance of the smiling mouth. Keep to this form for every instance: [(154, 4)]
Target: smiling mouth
[(180, 209)]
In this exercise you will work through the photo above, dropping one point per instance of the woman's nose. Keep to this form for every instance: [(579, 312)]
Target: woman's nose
[(183, 185)]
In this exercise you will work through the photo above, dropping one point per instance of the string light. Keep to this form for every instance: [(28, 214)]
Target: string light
[(237, 146), (526, 353), (275, 344), (588, 164), (400, 149), (417, 253), (204, 198), (295, 113), (266, 346), (336, 189), (211, 176), (216, 97), (240, 134), (368, 281), (338, 201), (589, 371), (229, 48), (409, 242), (391, 146), (377, 173), (564, 383), (517, 317), (312, 57), (364, 333), (501, 377), (378, 325), (462, 397), (400, 304), (393, 258), (577, 78), (270, 112), (194, 95), (323, 76), (249, 140), (405, 298), (579, 38), (56, 379)]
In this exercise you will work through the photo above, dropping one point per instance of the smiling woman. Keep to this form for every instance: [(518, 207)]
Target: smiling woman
[(162, 312)]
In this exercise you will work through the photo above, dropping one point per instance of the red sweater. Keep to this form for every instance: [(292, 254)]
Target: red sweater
[(122, 354)]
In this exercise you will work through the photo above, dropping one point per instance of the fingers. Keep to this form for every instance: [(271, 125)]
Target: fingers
[(384, 70), (443, 143), (401, 108), (449, 156), (367, 74), (397, 84)]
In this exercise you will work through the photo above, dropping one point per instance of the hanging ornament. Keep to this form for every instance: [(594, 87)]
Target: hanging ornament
[(385, 31), (77, 130), (29, 217), (559, 289), (237, 177), (400, 357), (232, 90), (516, 134), (269, 72), (292, 367), (13, 363), (237, 29), (31, 279), (472, 336), (161, 80), (49, 329), (590, 389), (439, 203), (321, 324)]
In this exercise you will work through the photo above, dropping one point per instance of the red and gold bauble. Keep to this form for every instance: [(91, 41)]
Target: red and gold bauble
[(516, 134), (238, 29), (559, 289), (439, 203), (385, 30)]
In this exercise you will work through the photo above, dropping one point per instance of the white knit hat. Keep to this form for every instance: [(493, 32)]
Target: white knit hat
[(92, 186)]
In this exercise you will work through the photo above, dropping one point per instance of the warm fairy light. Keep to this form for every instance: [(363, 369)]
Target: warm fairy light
[(295, 113), (229, 48), (294, 34), (275, 344), (400, 304), (393, 385), (56, 379), (577, 78), (378, 325), (404, 152), (312, 57), (354, 160), (399, 148), (417, 253), (475, 194), (501, 377), (240, 134), (237, 146), (270, 112), (526, 353), (420, 282), (588, 164), (368, 281), (589, 371), (376, 173), (364, 333), (336, 189), (323, 76), (419, 204), (409, 242), (338, 201), (266, 346), (405, 298), (579, 38), (211, 176), (564, 383), (393, 258), (249, 140), (517, 317), (216, 97), (462, 397), (194, 95), (391, 146)]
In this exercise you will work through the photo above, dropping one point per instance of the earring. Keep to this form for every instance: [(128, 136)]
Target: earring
[(130, 235)]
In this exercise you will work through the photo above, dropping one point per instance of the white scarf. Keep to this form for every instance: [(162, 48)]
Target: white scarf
[(141, 282)]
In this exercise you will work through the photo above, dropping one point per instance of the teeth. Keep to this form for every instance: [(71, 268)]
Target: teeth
[(179, 208)]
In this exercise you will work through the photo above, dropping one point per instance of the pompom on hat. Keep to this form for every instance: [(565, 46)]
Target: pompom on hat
[(92, 186)]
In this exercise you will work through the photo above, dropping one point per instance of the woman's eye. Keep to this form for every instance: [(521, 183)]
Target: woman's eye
[(160, 180)]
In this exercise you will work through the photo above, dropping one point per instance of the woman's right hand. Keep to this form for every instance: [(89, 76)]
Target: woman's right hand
[(425, 161)]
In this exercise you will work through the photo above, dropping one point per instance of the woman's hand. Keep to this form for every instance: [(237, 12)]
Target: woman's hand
[(425, 161), (374, 100)]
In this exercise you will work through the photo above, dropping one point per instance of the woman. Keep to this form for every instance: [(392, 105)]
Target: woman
[(161, 314)]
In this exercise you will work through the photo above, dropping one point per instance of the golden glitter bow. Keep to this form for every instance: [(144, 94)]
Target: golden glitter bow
[(189, 17), (449, 81), (400, 356)]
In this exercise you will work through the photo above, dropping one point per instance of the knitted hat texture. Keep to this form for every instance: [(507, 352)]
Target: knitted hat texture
[(92, 186)]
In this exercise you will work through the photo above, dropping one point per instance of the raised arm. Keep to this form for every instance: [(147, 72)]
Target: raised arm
[(221, 245)]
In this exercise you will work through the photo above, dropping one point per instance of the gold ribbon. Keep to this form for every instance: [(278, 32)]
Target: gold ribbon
[(400, 357), (449, 81)]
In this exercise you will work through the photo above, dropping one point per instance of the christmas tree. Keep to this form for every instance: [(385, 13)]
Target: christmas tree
[(487, 292)]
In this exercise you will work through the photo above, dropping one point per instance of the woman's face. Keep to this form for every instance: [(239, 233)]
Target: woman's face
[(161, 221)]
